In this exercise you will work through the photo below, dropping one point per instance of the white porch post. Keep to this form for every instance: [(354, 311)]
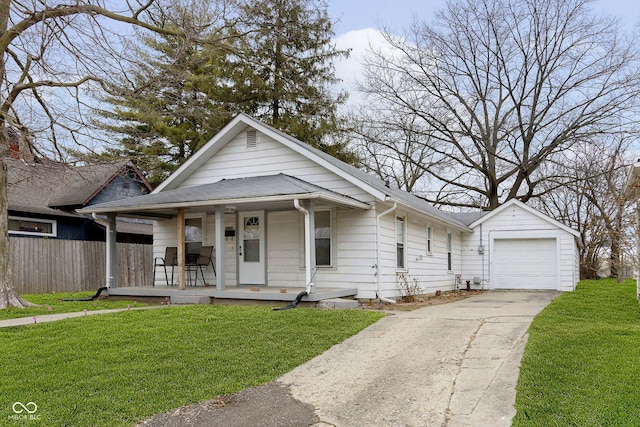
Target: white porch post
[(220, 239), (309, 243), (181, 247), (112, 274)]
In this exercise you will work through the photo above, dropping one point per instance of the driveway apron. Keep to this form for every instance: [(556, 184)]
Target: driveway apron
[(448, 365)]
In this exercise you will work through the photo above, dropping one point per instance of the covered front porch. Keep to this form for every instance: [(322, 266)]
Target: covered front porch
[(263, 233)]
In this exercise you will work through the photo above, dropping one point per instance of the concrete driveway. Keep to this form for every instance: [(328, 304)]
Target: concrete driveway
[(448, 365)]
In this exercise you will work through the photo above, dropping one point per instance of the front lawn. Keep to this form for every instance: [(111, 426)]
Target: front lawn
[(118, 369), (581, 365), (52, 303)]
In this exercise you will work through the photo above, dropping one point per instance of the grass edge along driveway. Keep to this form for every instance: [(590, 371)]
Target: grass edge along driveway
[(581, 364), (118, 369)]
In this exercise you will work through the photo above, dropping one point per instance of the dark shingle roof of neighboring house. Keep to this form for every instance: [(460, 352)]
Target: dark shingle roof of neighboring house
[(52, 188), (237, 188)]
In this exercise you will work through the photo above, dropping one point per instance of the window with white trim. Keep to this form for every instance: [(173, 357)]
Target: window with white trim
[(449, 251), (429, 239), (33, 226), (323, 237), (400, 243), (194, 232)]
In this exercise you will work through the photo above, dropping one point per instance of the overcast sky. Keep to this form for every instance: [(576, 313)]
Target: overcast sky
[(357, 21)]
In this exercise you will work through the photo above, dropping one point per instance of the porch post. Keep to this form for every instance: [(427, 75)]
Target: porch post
[(220, 238), (181, 255), (310, 246), (112, 274)]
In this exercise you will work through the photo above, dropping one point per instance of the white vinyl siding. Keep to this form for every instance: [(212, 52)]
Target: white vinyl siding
[(269, 158)]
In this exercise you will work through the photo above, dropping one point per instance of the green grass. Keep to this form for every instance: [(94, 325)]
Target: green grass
[(118, 369), (581, 366), (52, 303)]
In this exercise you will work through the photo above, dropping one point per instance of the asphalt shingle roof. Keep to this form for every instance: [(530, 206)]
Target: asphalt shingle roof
[(468, 218), (226, 189), (40, 187)]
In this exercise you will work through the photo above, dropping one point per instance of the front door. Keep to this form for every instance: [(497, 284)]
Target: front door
[(251, 249)]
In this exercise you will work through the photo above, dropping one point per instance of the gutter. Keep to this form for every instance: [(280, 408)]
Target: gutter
[(378, 280), (307, 246)]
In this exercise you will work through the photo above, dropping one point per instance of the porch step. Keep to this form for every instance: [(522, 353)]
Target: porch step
[(340, 303), (190, 299)]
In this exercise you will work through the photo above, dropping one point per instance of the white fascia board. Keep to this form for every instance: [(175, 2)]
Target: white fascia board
[(343, 201)]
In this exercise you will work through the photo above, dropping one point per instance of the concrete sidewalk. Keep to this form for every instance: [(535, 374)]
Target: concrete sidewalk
[(23, 321)]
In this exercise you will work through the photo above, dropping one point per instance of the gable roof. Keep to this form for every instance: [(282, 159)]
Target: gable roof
[(529, 209), (269, 188), (44, 186), (368, 183)]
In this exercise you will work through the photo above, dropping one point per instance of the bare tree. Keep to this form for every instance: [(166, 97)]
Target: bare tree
[(593, 203), (504, 87), (49, 52)]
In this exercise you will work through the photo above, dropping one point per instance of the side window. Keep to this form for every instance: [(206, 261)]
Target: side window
[(429, 239), (449, 249), (323, 238), (33, 226), (400, 242)]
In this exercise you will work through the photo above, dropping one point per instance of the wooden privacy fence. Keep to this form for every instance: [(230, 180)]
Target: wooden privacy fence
[(49, 265)]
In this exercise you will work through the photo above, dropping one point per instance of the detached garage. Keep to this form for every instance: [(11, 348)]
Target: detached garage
[(517, 247)]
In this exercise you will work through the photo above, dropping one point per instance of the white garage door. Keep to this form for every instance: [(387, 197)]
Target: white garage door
[(524, 264)]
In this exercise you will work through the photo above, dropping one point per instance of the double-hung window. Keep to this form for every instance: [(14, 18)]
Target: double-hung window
[(323, 236), (429, 239), (449, 250), (400, 243)]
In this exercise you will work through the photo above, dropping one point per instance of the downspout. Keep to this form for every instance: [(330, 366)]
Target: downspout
[(307, 245), (378, 280)]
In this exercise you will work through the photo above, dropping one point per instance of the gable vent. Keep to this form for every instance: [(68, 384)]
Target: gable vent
[(252, 139)]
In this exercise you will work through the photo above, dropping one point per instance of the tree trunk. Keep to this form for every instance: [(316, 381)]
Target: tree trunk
[(8, 295)]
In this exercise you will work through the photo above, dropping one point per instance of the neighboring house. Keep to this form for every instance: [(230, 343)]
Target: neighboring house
[(632, 191), (285, 216), (44, 197)]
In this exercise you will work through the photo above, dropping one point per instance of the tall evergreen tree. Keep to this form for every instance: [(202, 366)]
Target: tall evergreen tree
[(167, 107), (282, 69), (276, 65)]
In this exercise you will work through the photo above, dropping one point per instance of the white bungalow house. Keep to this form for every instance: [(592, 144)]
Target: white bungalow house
[(284, 217)]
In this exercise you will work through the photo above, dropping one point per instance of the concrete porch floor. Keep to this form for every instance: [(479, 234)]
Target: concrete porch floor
[(266, 293)]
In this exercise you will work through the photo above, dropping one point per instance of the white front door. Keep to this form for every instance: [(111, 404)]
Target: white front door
[(251, 249)]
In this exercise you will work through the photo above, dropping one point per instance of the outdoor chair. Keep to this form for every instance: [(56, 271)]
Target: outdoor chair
[(205, 257), (170, 260)]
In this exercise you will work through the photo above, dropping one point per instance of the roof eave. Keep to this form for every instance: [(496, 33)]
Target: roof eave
[(329, 198)]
